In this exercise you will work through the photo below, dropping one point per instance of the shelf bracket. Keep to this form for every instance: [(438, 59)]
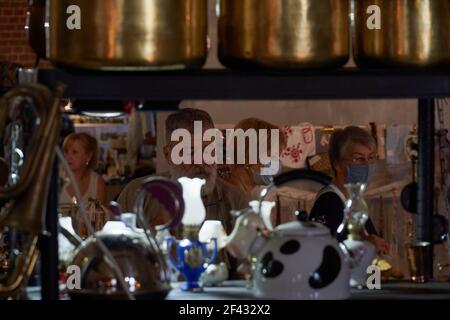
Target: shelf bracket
[(424, 222)]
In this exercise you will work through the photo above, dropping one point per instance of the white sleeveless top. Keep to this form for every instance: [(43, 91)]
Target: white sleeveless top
[(97, 214), (91, 192)]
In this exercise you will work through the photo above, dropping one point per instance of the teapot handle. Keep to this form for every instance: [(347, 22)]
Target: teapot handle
[(295, 175), (301, 174)]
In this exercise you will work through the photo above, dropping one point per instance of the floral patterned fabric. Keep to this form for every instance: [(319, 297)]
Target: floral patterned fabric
[(301, 143)]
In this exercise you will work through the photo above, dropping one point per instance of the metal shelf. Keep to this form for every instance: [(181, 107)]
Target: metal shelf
[(222, 84), (105, 91)]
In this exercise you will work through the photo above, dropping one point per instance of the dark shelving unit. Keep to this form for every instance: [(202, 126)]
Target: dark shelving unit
[(223, 84), (163, 90)]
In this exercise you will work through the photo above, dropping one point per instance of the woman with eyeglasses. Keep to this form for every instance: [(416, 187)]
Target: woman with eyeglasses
[(352, 153)]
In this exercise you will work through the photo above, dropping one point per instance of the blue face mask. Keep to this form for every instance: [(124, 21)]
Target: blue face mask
[(360, 173)]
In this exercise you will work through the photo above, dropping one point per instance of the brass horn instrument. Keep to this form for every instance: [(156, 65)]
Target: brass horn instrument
[(23, 201)]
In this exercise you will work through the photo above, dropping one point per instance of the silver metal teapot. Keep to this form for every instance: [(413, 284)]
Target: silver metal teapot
[(139, 264)]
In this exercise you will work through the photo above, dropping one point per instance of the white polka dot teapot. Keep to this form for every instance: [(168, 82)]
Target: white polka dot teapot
[(295, 260)]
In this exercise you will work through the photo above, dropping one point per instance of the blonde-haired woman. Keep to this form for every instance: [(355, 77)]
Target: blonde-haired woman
[(81, 153)]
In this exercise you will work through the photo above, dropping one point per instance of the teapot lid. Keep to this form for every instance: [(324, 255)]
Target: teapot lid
[(302, 228)]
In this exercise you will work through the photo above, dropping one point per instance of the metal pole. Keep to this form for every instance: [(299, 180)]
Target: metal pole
[(49, 243), (425, 196)]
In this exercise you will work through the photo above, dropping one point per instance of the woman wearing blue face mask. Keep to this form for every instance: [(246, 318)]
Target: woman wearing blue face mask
[(352, 153)]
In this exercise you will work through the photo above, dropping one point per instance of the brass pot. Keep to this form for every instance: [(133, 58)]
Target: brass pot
[(284, 33), (414, 33), (131, 34)]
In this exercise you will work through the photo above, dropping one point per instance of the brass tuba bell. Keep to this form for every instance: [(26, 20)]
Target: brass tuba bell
[(29, 131)]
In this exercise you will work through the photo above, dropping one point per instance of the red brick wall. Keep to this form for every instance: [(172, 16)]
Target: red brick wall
[(14, 45)]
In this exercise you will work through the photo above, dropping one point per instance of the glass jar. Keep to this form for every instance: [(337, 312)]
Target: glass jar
[(356, 211)]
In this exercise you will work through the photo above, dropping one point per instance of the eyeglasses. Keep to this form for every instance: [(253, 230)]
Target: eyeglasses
[(360, 159)]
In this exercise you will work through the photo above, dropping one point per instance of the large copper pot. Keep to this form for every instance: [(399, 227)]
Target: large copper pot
[(414, 33), (284, 33), (131, 34)]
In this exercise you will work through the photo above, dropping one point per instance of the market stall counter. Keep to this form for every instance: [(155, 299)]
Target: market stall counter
[(237, 290)]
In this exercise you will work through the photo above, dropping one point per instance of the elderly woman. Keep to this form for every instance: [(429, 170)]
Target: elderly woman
[(353, 155)]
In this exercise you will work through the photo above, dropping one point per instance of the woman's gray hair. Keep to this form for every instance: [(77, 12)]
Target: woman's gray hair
[(342, 138)]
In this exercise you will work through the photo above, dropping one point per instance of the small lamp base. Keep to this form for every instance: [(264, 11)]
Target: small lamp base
[(191, 287)]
